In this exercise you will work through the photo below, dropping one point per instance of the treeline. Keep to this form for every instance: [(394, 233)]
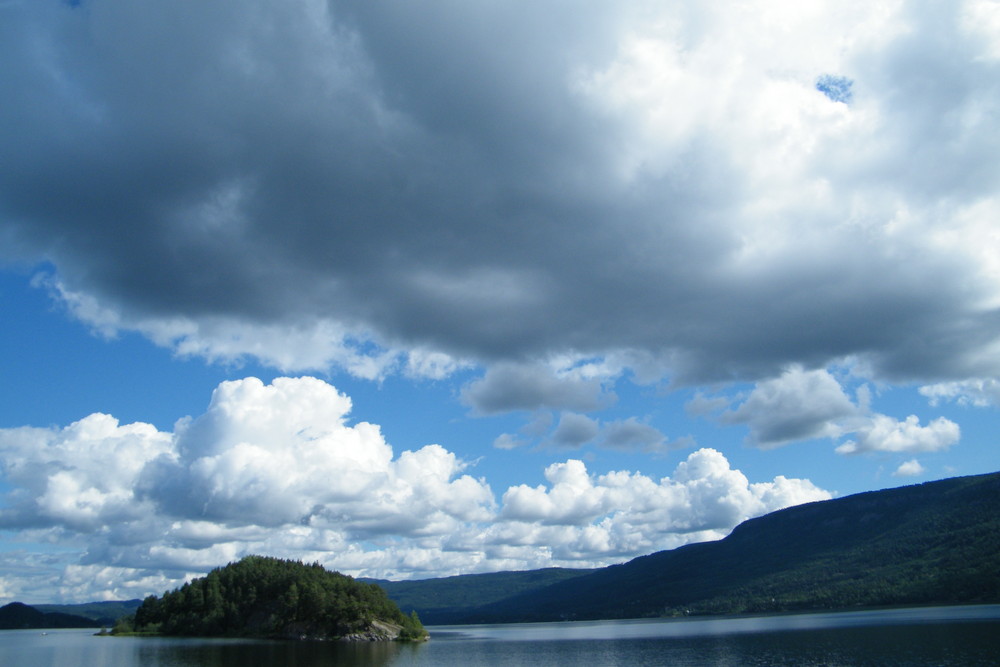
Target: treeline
[(270, 597)]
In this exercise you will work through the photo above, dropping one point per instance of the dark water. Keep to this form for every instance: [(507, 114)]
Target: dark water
[(944, 636)]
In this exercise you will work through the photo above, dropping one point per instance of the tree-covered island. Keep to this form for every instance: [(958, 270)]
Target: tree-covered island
[(273, 598)]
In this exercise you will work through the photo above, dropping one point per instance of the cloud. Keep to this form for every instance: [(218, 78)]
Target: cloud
[(80, 477), (574, 430), (278, 454), (379, 184), (277, 468), (508, 441), (702, 405), (535, 428), (262, 458), (632, 434), (622, 510), (798, 405), (109, 583), (432, 365), (570, 500), (510, 387), (886, 434), (978, 392), (305, 345), (804, 405), (910, 468), (981, 20)]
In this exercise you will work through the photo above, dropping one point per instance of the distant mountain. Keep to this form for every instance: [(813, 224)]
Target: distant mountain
[(440, 600), (103, 613), (934, 543), (18, 616)]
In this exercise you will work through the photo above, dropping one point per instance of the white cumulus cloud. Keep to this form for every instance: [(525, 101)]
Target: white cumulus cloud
[(910, 468), (82, 476), (282, 453), (278, 469), (886, 434), (624, 512)]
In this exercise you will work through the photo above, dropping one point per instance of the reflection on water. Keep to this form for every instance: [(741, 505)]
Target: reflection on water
[(942, 645), (943, 637), (79, 648), (290, 654)]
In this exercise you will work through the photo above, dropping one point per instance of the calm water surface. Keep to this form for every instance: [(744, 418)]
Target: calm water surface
[(942, 636)]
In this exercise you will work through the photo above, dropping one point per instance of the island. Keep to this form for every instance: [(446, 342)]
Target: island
[(273, 598)]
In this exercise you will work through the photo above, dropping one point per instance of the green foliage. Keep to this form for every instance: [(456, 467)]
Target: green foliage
[(269, 597), (123, 626), (413, 629)]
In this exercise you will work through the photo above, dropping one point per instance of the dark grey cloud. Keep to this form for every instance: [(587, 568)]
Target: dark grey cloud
[(574, 430), (508, 387), (512, 182), (632, 434)]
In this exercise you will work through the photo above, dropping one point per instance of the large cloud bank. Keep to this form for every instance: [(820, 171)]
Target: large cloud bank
[(278, 469), (691, 190)]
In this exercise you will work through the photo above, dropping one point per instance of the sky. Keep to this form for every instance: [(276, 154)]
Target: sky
[(423, 289)]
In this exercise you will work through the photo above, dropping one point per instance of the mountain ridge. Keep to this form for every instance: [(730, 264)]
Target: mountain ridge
[(102, 613), (936, 542), (19, 616)]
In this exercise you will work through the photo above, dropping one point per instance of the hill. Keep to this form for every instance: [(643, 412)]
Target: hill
[(18, 616), (102, 613), (441, 600), (269, 597), (934, 543)]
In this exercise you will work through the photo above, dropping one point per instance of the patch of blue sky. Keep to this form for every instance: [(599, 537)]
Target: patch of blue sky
[(57, 371), (837, 88)]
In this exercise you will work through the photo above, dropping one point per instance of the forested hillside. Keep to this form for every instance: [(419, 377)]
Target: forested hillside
[(934, 543), (19, 616), (102, 613), (438, 600)]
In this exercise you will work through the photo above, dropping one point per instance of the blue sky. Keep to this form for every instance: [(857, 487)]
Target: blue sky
[(368, 285)]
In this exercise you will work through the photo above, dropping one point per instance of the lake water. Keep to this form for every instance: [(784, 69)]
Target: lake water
[(940, 636)]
